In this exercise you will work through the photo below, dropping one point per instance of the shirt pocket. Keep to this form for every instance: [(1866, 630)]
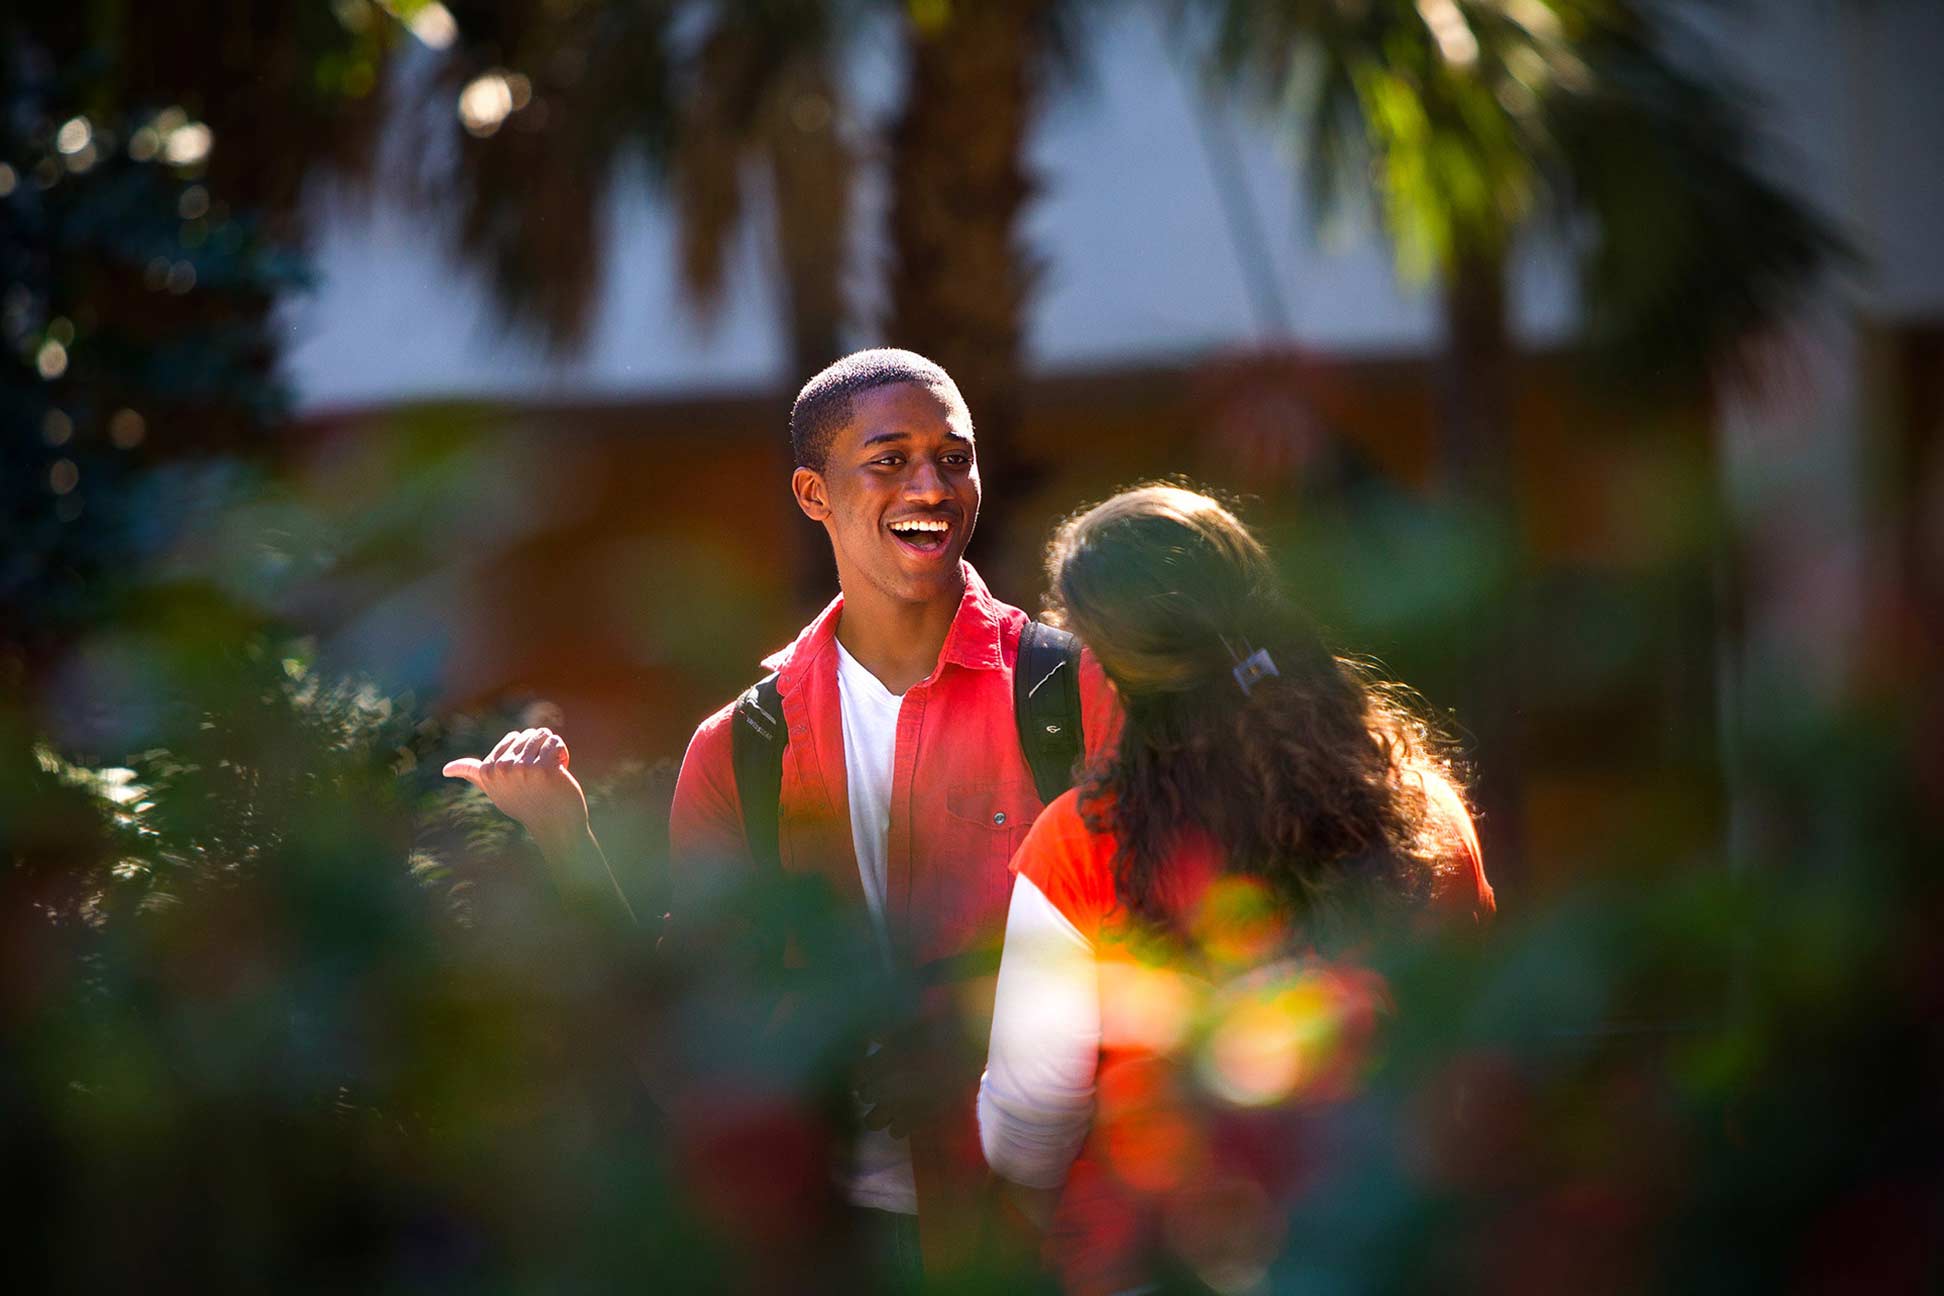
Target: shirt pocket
[(993, 818)]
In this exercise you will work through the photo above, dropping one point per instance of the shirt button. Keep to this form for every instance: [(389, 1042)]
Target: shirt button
[(999, 818)]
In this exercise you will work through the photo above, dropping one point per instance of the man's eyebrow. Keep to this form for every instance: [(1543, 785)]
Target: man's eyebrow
[(881, 438)]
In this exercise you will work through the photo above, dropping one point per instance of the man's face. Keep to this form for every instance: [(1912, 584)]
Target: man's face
[(899, 493)]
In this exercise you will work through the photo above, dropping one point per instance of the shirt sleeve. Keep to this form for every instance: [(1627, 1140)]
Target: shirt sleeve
[(705, 829), (1036, 1096), (1071, 866)]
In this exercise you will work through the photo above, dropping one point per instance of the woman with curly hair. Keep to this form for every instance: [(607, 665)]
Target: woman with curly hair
[(1251, 756)]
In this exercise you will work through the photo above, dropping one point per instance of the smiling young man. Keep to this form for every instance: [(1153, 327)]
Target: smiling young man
[(903, 783)]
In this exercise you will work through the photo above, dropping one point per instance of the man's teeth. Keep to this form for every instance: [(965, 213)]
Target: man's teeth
[(921, 526)]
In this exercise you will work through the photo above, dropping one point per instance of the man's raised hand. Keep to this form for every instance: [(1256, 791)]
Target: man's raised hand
[(526, 776)]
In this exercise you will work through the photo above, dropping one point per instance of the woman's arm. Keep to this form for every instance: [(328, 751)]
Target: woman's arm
[(1036, 1096)]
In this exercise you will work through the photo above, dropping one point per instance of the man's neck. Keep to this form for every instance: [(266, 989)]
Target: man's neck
[(896, 641)]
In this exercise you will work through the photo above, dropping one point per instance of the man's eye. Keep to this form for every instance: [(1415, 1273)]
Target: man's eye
[(958, 460), (889, 461)]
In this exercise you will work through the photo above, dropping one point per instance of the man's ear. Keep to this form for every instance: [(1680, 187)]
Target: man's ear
[(807, 484)]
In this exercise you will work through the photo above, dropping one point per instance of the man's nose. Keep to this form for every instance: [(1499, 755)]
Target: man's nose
[(926, 484)]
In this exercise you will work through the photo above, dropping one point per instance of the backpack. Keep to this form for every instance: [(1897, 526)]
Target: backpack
[(1046, 710)]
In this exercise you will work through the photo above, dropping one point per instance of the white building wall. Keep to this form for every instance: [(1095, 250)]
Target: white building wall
[(1853, 107)]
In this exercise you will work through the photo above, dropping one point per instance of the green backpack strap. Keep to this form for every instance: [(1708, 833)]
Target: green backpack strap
[(758, 737), (1046, 706)]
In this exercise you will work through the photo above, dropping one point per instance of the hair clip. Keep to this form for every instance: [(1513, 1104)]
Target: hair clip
[(1253, 669)]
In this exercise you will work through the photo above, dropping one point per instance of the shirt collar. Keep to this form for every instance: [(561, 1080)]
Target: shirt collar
[(972, 642)]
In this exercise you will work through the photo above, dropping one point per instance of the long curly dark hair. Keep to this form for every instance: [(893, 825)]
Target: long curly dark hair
[(1321, 779)]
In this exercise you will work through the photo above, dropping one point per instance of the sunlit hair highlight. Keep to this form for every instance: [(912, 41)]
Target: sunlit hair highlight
[(1323, 780)]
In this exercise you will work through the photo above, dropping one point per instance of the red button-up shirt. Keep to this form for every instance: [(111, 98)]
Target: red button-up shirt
[(962, 794)]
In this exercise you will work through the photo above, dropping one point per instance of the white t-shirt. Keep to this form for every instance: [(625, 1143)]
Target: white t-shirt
[(881, 1176)]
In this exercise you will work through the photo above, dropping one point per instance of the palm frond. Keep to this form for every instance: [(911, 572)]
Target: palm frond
[(526, 190), (697, 96), (763, 94), (1466, 120)]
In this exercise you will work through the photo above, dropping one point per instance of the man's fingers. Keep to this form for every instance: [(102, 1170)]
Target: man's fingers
[(550, 751), (499, 748), (466, 767)]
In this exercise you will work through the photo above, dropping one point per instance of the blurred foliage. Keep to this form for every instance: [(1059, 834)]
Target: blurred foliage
[(236, 1004), (318, 1015), (149, 186), (282, 1007), (292, 1009)]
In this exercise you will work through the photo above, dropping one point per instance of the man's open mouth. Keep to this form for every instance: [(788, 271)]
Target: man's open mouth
[(922, 535)]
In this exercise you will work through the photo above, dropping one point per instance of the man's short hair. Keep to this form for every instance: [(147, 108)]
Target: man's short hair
[(824, 404)]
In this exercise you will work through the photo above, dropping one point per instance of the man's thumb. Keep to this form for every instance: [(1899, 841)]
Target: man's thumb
[(466, 767)]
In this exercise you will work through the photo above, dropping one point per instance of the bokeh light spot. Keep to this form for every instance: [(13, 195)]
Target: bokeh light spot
[(1283, 1036), (126, 429), (1450, 30), (75, 134), (56, 427), (486, 102), (1143, 1007), (434, 25), (188, 144), (1239, 922), (1254, 1057), (51, 360), (63, 477)]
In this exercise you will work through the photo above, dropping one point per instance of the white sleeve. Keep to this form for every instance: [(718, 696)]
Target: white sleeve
[(1036, 1096)]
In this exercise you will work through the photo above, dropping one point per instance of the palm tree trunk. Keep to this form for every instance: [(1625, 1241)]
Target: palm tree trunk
[(812, 169), (1476, 382), (1476, 409), (961, 278)]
